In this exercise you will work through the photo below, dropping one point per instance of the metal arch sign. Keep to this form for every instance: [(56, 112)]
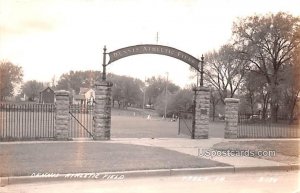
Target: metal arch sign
[(154, 49)]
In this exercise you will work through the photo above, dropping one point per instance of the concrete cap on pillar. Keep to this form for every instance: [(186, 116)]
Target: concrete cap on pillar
[(232, 100)]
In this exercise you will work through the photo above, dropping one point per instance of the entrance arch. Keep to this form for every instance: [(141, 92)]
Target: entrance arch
[(103, 89), (154, 49)]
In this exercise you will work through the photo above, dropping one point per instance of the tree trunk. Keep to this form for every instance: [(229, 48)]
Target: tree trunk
[(291, 115), (265, 98), (274, 103), (274, 111), (252, 105), (292, 108)]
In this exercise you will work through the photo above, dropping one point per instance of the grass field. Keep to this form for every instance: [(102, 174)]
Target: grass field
[(141, 127), (125, 124), (130, 111)]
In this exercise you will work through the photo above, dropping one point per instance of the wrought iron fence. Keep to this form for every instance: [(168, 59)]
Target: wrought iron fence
[(185, 123), (254, 126), (26, 121), (81, 121)]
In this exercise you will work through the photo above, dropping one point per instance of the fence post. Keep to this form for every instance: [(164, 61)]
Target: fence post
[(102, 111), (231, 117), (202, 96), (62, 118)]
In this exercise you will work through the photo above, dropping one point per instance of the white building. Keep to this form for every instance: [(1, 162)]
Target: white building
[(86, 96)]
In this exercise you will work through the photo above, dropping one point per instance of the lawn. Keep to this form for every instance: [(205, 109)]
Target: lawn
[(216, 129), (141, 127), (73, 157), (287, 151)]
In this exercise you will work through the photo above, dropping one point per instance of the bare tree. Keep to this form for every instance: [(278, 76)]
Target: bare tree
[(225, 70), (268, 42)]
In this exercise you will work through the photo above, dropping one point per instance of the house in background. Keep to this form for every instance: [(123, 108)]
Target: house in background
[(86, 96), (47, 96), (23, 98)]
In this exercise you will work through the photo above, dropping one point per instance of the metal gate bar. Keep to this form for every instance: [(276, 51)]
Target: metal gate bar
[(81, 121)]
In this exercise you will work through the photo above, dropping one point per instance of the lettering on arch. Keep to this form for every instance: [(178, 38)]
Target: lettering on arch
[(153, 49)]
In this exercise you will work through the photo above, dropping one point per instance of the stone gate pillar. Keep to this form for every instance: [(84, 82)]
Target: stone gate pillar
[(202, 95), (62, 117), (231, 117), (102, 111)]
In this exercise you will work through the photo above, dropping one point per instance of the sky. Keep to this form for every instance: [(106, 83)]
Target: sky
[(51, 37)]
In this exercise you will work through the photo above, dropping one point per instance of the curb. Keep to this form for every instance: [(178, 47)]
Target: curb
[(264, 168), (121, 175), (83, 176), (193, 171)]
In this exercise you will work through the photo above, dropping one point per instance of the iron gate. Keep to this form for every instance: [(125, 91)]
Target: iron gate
[(185, 124), (81, 121)]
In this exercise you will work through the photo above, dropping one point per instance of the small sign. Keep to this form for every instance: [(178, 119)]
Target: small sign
[(203, 111)]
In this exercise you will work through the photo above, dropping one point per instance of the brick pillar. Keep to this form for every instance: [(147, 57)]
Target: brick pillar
[(102, 111), (202, 112), (62, 117), (231, 117)]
